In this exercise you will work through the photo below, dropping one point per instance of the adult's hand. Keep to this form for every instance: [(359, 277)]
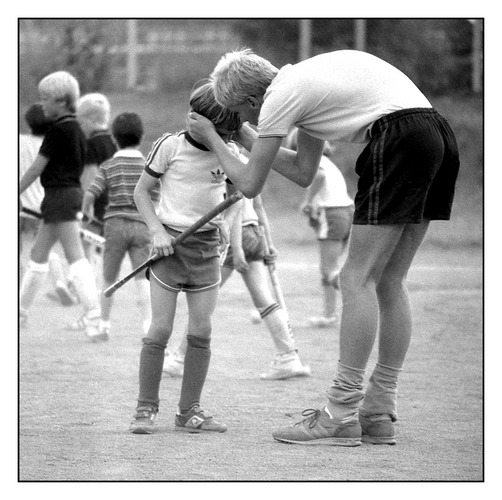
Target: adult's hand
[(200, 128)]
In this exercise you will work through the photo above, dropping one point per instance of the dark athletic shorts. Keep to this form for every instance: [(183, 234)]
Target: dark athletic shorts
[(193, 267), (252, 245), (61, 204), (407, 172)]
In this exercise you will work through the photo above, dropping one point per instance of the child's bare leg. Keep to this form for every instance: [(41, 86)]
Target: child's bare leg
[(331, 263), (201, 306), (275, 318)]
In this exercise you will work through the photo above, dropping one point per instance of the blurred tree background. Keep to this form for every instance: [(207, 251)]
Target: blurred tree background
[(150, 65)]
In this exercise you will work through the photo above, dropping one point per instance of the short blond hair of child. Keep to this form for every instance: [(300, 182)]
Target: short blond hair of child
[(241, 74), (203, 102), (95, 108), (61, 85)]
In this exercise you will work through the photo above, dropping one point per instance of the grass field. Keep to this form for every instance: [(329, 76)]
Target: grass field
[(76, 398)]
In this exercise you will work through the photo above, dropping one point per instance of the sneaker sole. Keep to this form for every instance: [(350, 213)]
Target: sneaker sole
[(349, 442), (306, 372), (193, 430), (141, 430), (378, 440)]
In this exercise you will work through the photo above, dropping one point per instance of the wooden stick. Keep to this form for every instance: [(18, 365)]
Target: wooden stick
[(181, 237)]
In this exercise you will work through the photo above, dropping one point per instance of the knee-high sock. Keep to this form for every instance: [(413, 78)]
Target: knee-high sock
[(82, 275), (151, 362), (381, 394), (33, 280), (346, 393), (278, 325), (197, 357)]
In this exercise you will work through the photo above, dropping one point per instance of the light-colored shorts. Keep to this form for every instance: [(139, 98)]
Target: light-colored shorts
[(252, 245), (333, 223), (124, 236)]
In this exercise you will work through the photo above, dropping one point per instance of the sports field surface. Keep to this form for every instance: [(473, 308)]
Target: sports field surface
[(77, 398)]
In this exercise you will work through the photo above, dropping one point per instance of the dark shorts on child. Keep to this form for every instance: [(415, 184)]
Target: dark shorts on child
[(253, 246), (124, 236), (193, 267), (333, 223), (407, 172), (61, 204)]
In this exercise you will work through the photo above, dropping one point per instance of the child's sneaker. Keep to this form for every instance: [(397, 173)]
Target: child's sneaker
[(323, 321), (144, 420), (79, 325), (93, 328), (174, 364), (255, 316), (66, 297), (377, 429), (195, 421), (286, 366), (318, 429)]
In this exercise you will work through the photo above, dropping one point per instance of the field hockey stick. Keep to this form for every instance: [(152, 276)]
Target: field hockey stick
[(181, 237), (86, 235), (274, 278)]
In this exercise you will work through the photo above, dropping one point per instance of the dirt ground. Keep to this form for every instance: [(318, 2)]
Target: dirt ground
[(76, 398)]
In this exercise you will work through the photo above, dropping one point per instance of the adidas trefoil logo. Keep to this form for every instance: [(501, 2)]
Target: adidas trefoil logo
[(218, 176)]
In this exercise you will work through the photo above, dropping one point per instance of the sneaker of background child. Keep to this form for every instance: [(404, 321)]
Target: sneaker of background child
[(104, 329), (174, 364), (195, 421), (320, 429), (377, 429), (144, 420), (255, 316), (286, 366), (79, 325), (92, 328), (323, 321)]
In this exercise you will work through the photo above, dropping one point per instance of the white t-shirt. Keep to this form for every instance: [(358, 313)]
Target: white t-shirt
[(334, 190), (192, 181), (32, 197), (336, 96)]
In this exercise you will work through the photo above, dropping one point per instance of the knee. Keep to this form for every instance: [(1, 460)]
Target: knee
[(200, 329), (158, 334), (390, 286)]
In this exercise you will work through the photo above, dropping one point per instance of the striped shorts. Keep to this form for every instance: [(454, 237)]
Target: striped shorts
[(407, 172)]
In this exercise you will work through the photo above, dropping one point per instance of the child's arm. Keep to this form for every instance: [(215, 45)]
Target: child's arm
[(96, 188), (271, 257), (88, 205), (312, 190), (239, 259), (33, 173), (162, 240)]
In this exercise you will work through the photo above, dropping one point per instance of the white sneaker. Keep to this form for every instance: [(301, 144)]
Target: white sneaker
[(95, 331), (286, 366), (174, 363), (323, 321), (255, 316)]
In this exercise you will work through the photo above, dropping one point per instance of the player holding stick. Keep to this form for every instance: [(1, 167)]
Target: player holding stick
[(250, 252), (192, 183), (407, 173)]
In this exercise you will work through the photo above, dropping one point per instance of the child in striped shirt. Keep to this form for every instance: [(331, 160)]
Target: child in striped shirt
[(125, 231)]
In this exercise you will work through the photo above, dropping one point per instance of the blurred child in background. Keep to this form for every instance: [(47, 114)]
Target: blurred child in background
[(59, 165), (124, 229), (192, 183), (329, 209), (31, 198), (247, 254)]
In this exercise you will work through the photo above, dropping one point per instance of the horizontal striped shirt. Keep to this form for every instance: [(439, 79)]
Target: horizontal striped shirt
[(118, 176)]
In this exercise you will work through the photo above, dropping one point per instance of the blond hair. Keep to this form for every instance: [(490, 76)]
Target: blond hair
[(95, 108), (61, 85), (241, 74), (204, 103)]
